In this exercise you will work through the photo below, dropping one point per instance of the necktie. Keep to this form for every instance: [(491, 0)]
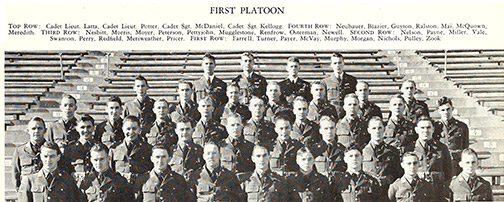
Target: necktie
[(471, 182), (100, 178), (49, 178), (329, 148), (414, 183), (130, 147), (209, 81), (185, 150), (301, 127), (234, 143), (213, 176), (355, 177)]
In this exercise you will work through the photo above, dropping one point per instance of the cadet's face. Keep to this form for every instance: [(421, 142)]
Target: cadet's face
[(205, 108), (233, 93), (362, 91), (99, 161), (468, 163), (446, 112), (36, 130), (256, 107), (273, 92), (305, 161), (140, 88), (337, 64), (300, 110), (211, 155), (410, 165), (160, 159), (131, 130), (49, 158), (68, 107), (283, 129), (184, 91), (184, 131), (327, 130), (424, 130), (85, 129), (247, 64), (353, 159), (234, 127), (396, 106), (351, 105), (292, 68), (318, 92), (113, 110), (375, 128), (160, 108), (208, 66), (408, 89), (261, 158)]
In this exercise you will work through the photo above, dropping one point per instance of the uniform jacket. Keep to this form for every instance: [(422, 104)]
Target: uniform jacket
[(308, 129), (337, 90), (383, 162), (328, 161), (136, 162), (109, 135), (284, 159), (216, 89), (236, 157), (172, 187), (369, 110), (143, 112), (255, 85), (363, 188), (455, 135), (415, 109), (313, 187), (271, 189), (191, 161), (214, 131), (315, 111), (272, 109), (263, 130), (177, 111), (163, 133), (62, 133), (480, 191), (25, 162), (35, 188), (223, 112), (291, 90), (400, 135), (352, 131), (435, 160), (402, 191), (113, 187), (77, 157), (226, 186)]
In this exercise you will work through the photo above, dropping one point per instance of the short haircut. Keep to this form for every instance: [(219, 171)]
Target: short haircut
[(300, 99), (161, 146), (211, 142), (260, 145), (338, 55), (233, 84), (351, 95), (53, 146), (141, 78), (255, 97), (38, 119), (86, 118), (425, 118), (327, 118), (68, 96), (206, 99), (409, 81), (248, 54), (184, 119), (408, 154), (319, 83), (132, 119), (286, 115), (99, 147), (363, 82), (375, 118), (273, 83), (234, 115), (303, 150), (183, 81), (353, 146), (115, 98), (397, 96), (162, 100), (208, 56), (293, 59), (470, 151), (444, 100)]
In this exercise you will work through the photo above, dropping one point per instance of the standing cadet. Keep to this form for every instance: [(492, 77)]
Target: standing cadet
[(262, 184), (294, 86), (141, 106), (185, 106), (109, 132), (275, 102), (213, 182), (304, 130), (399, 131), (434, 157), (26, 157), (355, 184), (367, 109), (339, 84), (161, 183), (50, 183), (467, 186), (320, 105), (131, 156), (163, 129), (207, 128), (452, 132), (102, 184), (257, 127), (379, 159), (209, 84), (76, 156), (251, 84), (410, 187), (63, 130), (351, 128), (414, 108), (186, 155), (235, 151), (283, 154), (329, 151), (233, 105)]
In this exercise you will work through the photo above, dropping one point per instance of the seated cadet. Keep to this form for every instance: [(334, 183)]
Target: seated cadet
[(307, 184), (186, 155), (468, 186), (141, 106), (356, 184), (161, 183), (275, 103), (26, 157), (130, 157), (399, 132), (209, 84), (434, 157), (339, 84), (352, 128), (50, 183), (381, 160), (257, 127), (320, 103), (283, 153), (76, 156), (185, 106), (213, 182), (329, 152), (63, 130), (367, 109), (251, 84), (109, 132), (207, 128), (414, 108), (410, 187), (304, 130), (451, 132), (294, 86), (261, 184), (233, 105), (235, 151), (163, 129), (103, 184)]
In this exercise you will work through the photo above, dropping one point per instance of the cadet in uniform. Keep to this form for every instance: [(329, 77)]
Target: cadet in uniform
[(233, 105), (320, 104), (304, 130), (186, 155), (161, 183), (26, 157), (367, 109), (294, 86), (163, 129), (339, 84), (257, 127), (329, 152), (49, 183), (207, 128), (414, 108), (251, 84), (209, 84), (275, 102), (141, 106), (261, 184), (213, 182), (235, 151), (63, 130), (467, 186), (109, 132), (410, 187), (351, 128), (76, 156), (283, 154), (131, 156), (102, 184), (452, 132), (399, 131), (185, 106)]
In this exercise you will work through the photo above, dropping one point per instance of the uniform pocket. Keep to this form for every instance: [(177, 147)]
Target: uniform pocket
[(26, 162)]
